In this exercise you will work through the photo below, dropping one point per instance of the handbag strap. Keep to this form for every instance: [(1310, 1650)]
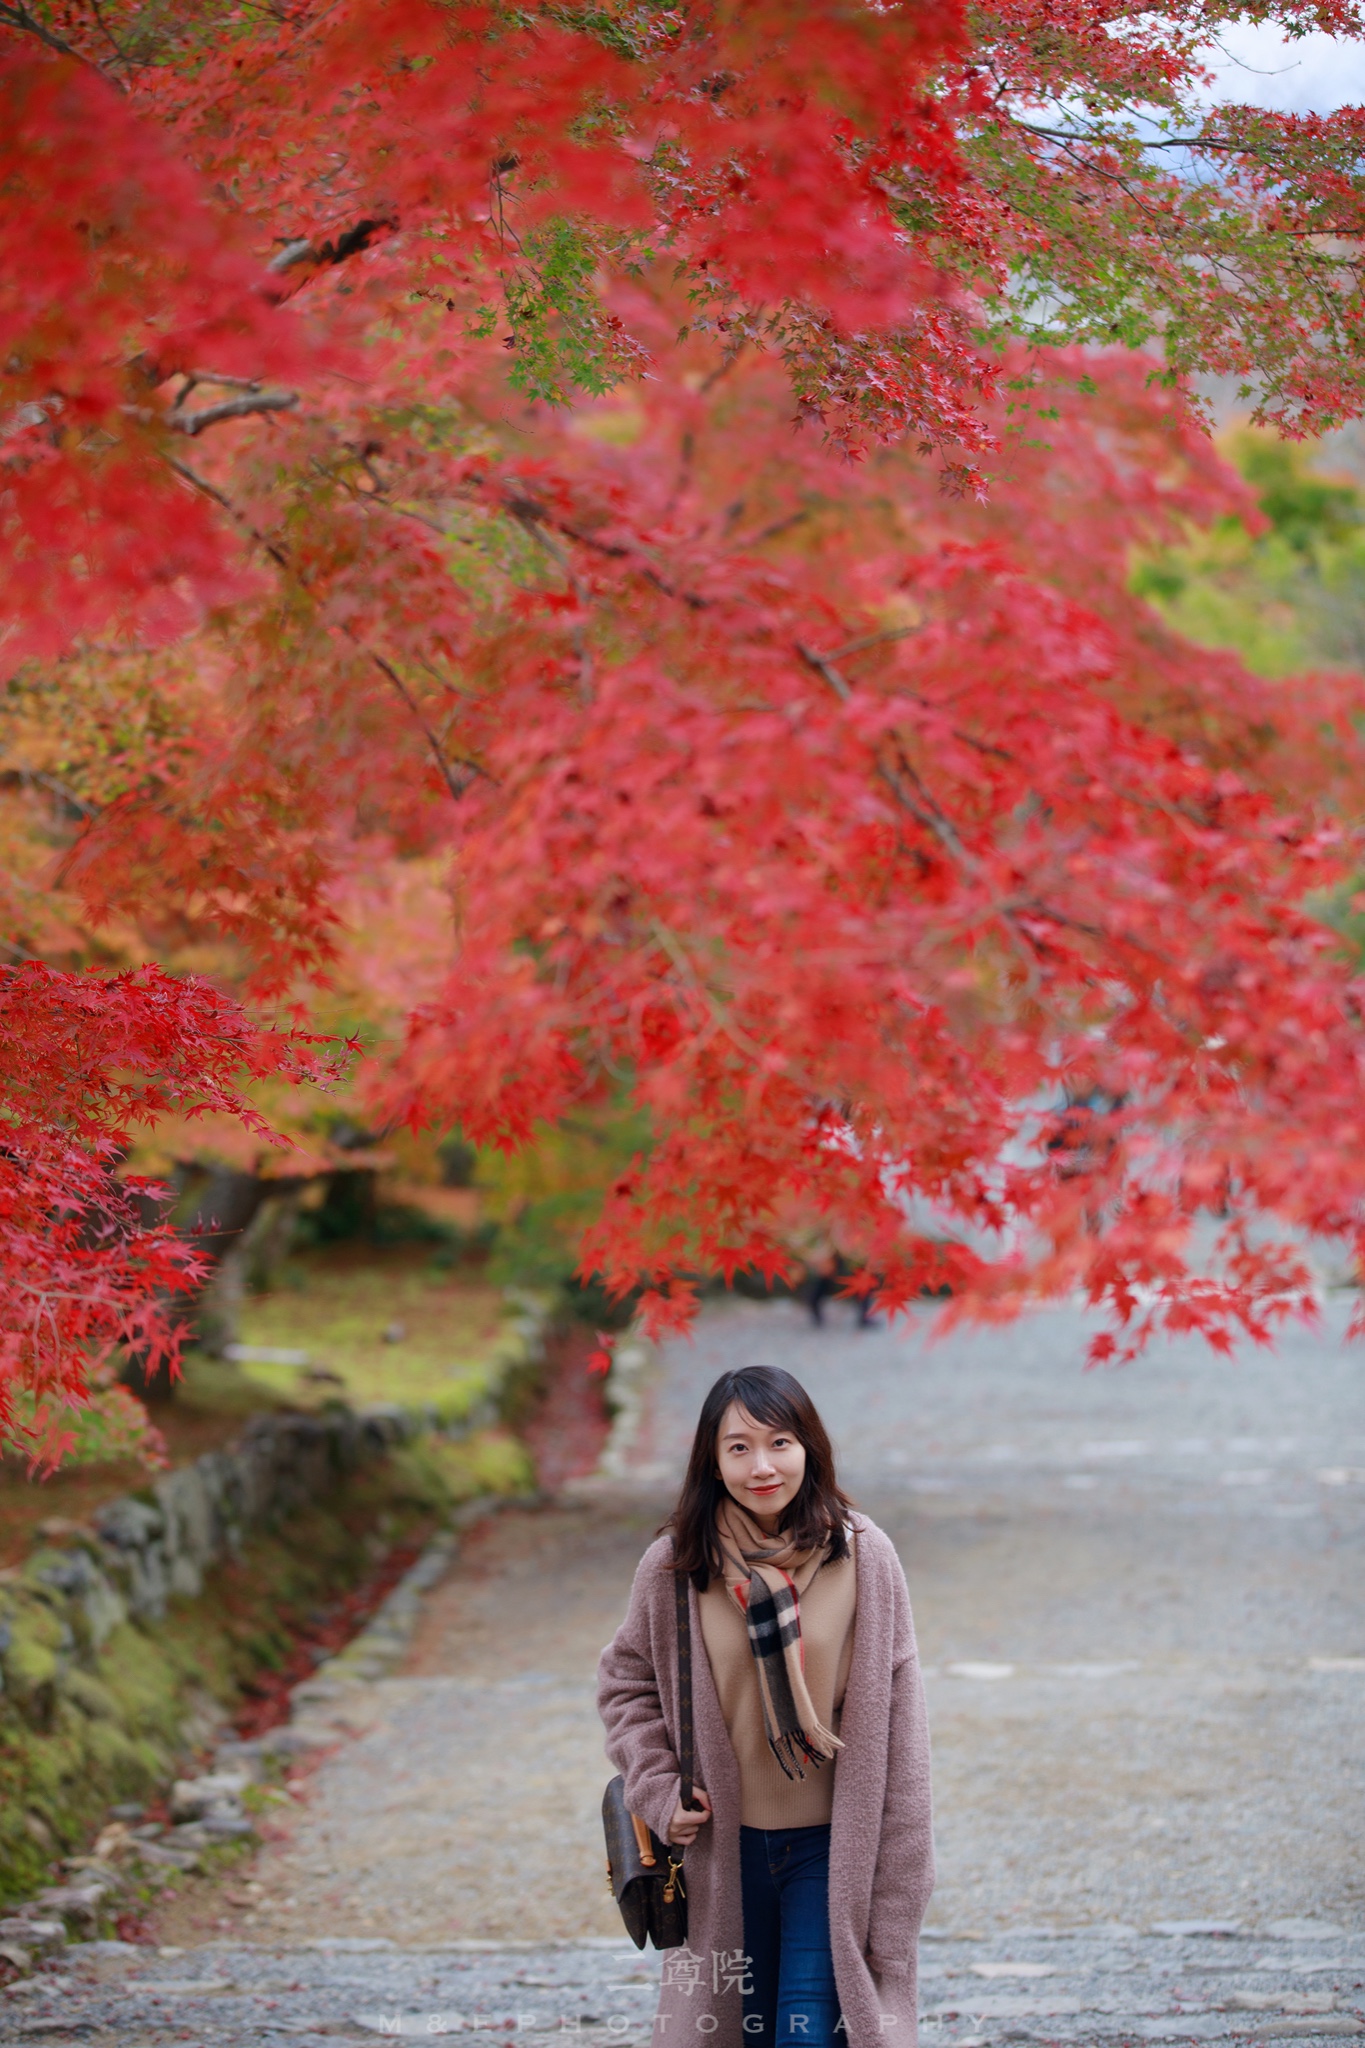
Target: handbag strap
[(686, 1747)]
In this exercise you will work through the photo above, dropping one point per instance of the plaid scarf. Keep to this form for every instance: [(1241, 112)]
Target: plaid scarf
[(767, 1576)]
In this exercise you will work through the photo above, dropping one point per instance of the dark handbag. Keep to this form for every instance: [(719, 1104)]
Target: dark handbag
[(646, 1876)]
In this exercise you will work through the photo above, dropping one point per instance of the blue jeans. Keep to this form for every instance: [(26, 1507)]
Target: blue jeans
[(794, 2002)]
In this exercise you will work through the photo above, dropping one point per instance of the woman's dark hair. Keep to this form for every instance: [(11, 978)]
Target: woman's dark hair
[(814, 1518)]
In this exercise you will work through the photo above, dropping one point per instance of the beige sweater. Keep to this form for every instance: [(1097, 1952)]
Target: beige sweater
[(768, 1798)]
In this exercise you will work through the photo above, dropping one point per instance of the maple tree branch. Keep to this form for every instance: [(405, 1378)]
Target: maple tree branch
[(121, 55), (928, 813), (1094, 141), (379, 496), (461, 697), (1111, 940), (1095, 170), (245, 403), (530, 510), (733, 351), (721, 1019), (870, 640), (300, 251), (278, 555), (1075, 146), (472, 770), (823, 665), (13, 15), (352, 241), (861, 645), (201, 483), (34, 778), (1176, 812), (754, 540), (229, 383), (409, 512), (1170, 242), (530, 523)]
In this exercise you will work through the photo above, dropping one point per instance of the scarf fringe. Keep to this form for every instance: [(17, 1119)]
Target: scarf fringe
[(817, 1745)]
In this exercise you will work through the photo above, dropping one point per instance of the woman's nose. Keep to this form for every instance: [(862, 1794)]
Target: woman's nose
[(762, 1463)]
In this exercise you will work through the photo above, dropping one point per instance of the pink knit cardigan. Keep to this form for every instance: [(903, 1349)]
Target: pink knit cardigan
[(881, 1869)]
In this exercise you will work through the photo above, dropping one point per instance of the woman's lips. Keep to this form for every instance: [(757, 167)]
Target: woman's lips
[(775, 1488)]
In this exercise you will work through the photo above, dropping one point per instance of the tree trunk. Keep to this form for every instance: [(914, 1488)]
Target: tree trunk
[(215, 1213)]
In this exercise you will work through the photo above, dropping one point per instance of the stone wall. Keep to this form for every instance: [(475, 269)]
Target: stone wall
[(72, 1613), (142, 1549)]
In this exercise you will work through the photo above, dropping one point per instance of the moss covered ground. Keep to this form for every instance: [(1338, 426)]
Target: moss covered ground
[(392, 1325)]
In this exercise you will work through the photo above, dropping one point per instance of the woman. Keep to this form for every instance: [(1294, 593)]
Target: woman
[(810, 1860)]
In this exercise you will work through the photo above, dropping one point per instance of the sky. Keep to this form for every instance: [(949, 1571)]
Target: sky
[(1257, 66)]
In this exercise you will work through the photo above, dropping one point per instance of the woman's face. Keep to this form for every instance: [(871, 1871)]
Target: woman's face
[(761, 1468)]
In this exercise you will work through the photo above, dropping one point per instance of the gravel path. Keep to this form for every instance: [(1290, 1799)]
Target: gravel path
[(1140, 1613), (1112, 1987), (1139, 1599), (474, 1780)]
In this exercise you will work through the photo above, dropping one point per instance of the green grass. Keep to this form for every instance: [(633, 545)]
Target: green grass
[(1289, 598), (336, 1305)]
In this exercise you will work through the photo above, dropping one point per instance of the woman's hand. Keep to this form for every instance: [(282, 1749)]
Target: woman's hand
[(682, 1829)]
